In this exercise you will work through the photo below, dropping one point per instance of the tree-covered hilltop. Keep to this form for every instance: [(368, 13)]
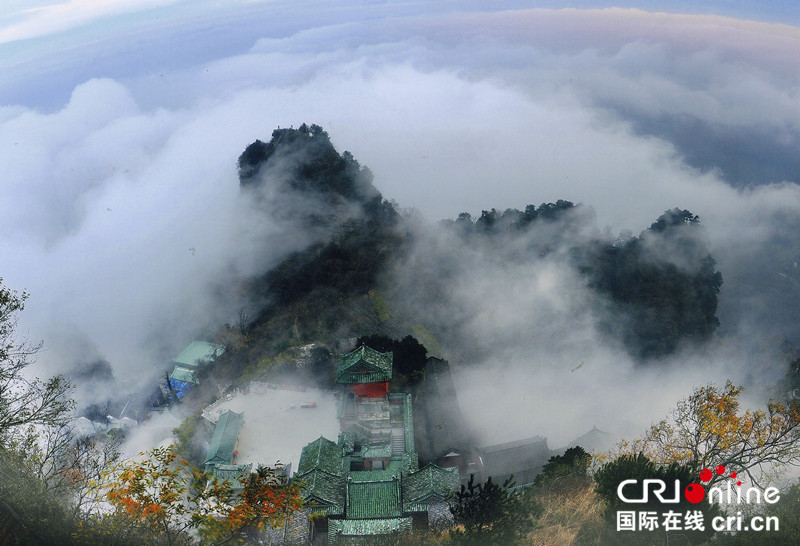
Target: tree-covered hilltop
[(663, 285), (300, 173), (325, 291), (304, 159), (652, 294), (661, 288), (511, 220)]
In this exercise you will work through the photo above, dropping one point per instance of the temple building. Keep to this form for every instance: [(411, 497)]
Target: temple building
[(222, 450), (521, 459), (368, 482), (183, 376)]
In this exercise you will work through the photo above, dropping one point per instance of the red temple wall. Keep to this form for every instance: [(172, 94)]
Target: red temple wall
[(370, 390)]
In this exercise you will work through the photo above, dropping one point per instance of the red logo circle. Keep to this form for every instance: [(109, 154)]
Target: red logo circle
[(694, 493)]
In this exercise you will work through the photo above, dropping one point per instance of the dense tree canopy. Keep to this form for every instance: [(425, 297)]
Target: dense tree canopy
[(663, 285), (491, 513), (159, 496), (493, 222), (307, 180), (572, 464), (306, 160), (46, 473)]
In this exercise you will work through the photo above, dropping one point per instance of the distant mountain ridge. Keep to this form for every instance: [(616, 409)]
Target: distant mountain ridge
[(660, 288)]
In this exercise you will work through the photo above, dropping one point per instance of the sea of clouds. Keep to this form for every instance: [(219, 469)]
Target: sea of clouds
[(121, 213)]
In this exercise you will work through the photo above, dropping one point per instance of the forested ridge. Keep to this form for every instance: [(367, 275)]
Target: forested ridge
[(661, 287)]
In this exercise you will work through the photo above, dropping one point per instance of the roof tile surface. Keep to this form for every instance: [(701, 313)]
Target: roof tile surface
[(364, 365)]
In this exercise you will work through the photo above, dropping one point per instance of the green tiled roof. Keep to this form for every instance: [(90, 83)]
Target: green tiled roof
[(382, 451), (409, 462), (346, 442), (327, 490), (431, 483), (364, 365), (339, 528), (179, 373), (231, 473), (223, 441), (322, 454), (374, 499), (373, 475), (198, 350)]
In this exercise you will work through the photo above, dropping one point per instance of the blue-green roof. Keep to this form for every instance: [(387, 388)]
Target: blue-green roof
[(231, 473), (340, 528), (180, 373), (409, 462), (364, 365), (346, 442), (324, 490), (430, 484), (223, 441), (381, 451), (322, 454), (197, 351), (374, 499), (373, 475)]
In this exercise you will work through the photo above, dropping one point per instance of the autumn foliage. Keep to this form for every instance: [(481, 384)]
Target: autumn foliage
[(708, 429), (265, 500), (161, 495)]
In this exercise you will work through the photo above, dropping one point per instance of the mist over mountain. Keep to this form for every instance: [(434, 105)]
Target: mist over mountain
[(298, 178), (660, 288), (537, 292), (629, 116), (587, 210)]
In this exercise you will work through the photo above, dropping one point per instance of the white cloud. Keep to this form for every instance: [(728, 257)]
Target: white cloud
[(120, 210)]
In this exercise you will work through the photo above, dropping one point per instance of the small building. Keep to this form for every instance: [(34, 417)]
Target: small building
[(84, 428), (179, 382), (425, 495), (366, 371), (120, 424), (197, 352), (224, 441), (183, 376), (595, 440), (232, 473), (524, 459)]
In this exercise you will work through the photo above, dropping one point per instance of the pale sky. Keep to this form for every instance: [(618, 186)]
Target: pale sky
[(24, 19)]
